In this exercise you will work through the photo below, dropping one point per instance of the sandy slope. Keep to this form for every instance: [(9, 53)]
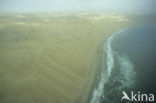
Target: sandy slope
[(47, 58)]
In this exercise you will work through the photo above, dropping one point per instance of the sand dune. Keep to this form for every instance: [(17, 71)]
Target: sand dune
[(50, 62)]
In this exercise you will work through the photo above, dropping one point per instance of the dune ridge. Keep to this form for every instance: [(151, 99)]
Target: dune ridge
[(49, 59)]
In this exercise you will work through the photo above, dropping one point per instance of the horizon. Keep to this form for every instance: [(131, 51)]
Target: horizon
[(120, 6)]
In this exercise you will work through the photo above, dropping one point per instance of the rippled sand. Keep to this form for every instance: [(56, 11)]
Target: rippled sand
[(48, 58)]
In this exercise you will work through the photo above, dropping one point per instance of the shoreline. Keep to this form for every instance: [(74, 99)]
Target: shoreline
[(97, 74), (93, 75), (102, 52)]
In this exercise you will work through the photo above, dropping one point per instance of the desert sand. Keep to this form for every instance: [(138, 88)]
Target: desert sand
[(52, 57)]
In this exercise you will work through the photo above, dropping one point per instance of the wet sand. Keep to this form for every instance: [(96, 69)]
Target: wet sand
[(51, 57)]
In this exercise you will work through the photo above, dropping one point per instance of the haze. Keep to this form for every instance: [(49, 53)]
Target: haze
[(129, 6)]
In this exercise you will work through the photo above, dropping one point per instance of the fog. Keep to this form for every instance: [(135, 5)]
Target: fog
[(129, 6)]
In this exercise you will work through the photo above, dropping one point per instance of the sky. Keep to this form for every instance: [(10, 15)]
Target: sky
[(131, 6)]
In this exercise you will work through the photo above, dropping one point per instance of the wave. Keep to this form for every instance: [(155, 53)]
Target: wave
[(110, 63), (123, 73), (97, 93), (122, 78)]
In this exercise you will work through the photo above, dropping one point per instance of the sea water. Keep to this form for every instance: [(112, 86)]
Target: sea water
[(128, 64)]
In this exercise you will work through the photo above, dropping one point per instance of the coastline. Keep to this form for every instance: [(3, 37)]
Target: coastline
[(96, 68), (62, 63), (92, 78)]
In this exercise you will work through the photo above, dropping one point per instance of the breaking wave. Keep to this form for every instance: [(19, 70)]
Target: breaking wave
[(116, 72)]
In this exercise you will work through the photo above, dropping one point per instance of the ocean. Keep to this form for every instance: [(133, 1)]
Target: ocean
[(128, 64)]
